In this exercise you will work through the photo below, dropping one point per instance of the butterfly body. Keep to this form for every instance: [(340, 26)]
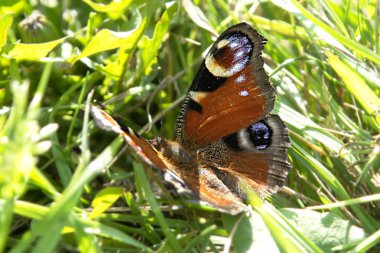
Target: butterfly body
[(225, 133)]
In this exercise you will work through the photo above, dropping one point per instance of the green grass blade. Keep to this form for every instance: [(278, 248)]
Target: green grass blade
[(143, 181)]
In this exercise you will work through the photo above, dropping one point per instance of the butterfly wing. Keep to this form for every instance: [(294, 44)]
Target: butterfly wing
[(231, 89), (143, 148), (198, 180), (226, 117), (257, 155), (209, 188)]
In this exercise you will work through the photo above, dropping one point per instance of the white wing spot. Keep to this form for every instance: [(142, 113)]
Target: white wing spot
[(243, 93), (239, 54), (233, 44), (241, 78), (236, 68)]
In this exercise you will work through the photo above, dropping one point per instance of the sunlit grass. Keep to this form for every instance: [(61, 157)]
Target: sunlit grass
[(66, 185)]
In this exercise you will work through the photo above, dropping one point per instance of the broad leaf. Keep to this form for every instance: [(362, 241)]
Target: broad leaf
[(105, 199), (106, 40), (149, 47), (251, 235), (31, 52), (5, 23), (113, 6), (326, 230)]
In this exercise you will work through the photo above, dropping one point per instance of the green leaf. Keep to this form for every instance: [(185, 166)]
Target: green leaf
[(104, 200), (31, 52), (113, 6), (288, 238), (326, 230), (198, 17), (30, 210), (15, 7), (87, 242), (368, 243), (37, 178), (106, 40), (149, 47), (112, 233), (251, 234), (5, 23), (6, 206)]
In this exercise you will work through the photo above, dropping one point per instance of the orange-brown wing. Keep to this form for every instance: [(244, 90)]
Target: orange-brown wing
[(202, 182), (257, 155), (230, 91), (205, 183), (142, 147)]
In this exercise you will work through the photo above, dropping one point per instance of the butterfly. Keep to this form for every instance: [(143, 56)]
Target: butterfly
[(225, 133)]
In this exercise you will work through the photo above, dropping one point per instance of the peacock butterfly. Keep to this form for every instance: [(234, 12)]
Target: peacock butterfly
[(225, 132)]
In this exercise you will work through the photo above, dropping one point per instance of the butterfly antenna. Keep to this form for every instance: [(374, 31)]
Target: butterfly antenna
[(95, 102), (161, 85)]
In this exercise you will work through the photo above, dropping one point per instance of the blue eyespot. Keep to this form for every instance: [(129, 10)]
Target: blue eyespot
[(260, 134)]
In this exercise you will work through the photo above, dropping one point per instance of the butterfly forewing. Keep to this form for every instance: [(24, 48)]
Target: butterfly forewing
[(141, 147), (230, 91)]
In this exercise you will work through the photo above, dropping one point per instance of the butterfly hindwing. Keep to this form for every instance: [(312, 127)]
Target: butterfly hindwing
[(257, 155)]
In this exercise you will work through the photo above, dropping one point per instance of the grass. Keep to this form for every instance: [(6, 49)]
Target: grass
[(67, 186)]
